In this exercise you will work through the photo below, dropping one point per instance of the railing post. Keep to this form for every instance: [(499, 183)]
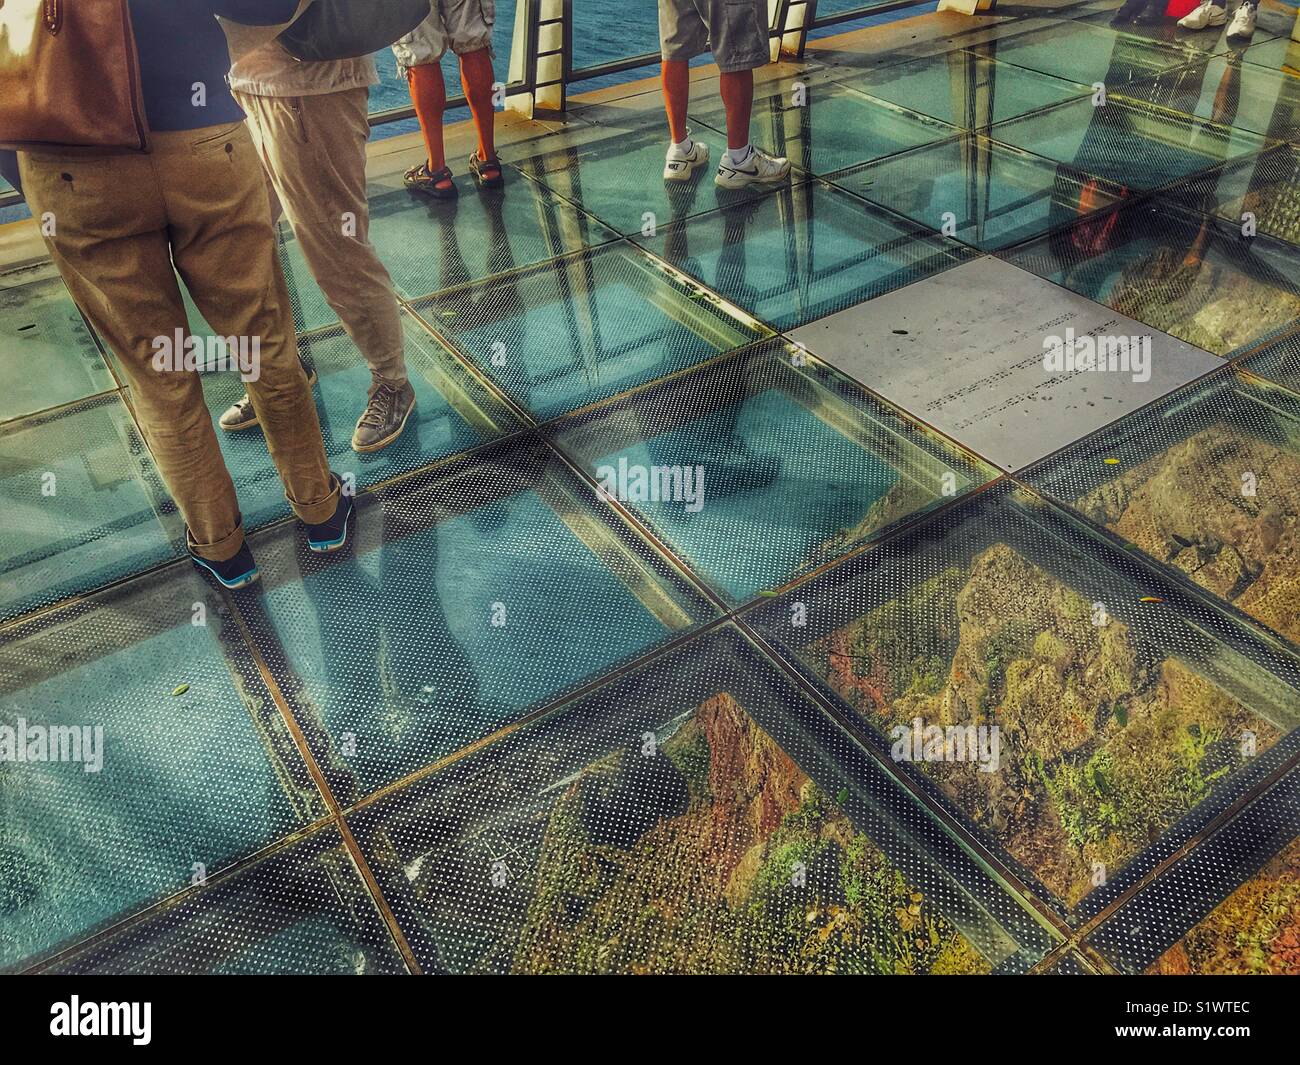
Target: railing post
[(541, 56), (790, 20)]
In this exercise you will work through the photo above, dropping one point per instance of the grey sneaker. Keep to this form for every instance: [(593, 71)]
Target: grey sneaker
[(385, 415), (240, 415)]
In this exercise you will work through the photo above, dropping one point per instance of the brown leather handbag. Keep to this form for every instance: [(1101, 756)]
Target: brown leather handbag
[(70, 77)]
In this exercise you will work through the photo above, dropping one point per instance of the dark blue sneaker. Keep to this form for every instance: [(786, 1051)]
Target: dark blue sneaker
[(236, 572), (333, 534)]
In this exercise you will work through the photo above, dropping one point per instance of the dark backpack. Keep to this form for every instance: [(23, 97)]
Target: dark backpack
[(345, 29)]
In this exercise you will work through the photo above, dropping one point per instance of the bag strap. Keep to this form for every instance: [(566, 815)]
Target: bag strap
[(53, 16)]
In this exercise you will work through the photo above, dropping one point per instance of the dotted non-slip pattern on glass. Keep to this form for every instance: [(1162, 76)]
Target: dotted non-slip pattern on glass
[(1228, 92), (453, 413), (803, 252), (1193, 276), (50, 358), (84, 504), (822, 126), (1278, 361), (695, 816), (302, 910), (141, 753), (1080, 715), (1231, 907), (983, 193), (1280, 54), (464, 601), (1131, 144), (1207, 482), (1259, 193), (763, 467), (965, 89), (573, 331)]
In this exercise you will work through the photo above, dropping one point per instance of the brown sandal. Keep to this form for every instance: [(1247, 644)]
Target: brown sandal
[(422, 179), (481, 169)]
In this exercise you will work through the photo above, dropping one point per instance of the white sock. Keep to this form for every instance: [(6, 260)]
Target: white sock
[(682, 147), (739, 156)]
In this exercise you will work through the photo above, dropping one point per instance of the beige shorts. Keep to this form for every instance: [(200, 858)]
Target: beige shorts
[(463, 25), (735, 31)]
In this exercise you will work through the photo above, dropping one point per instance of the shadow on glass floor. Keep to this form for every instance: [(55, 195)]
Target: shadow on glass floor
[(570, 332), (85, 504), (697, 815), (1229, 908), (466, 599), (1205, 481), (1193, 276), (1081, 715), (302, 910), (821, 125), (50, 357), (803, 252), (763, 467), (1260, 193), (152, 756)]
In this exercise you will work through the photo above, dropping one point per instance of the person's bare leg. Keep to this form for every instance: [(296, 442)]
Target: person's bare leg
[(476, 79), (676, 77), (429, 95), (737, 90)]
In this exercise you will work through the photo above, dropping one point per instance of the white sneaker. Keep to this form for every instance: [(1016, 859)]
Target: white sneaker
[(1204, 16), (681, 165), (759, 169), (1243, 23)]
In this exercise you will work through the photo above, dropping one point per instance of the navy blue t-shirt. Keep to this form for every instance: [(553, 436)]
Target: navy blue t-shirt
[(181, 44)]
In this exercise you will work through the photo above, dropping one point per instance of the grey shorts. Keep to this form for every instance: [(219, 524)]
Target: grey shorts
[(734, 30), (463, 25)]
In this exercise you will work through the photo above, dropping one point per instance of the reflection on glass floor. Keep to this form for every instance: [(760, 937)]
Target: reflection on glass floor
[(536, 718)]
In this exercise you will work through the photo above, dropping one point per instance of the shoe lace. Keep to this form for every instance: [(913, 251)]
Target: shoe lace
[(380, 408)]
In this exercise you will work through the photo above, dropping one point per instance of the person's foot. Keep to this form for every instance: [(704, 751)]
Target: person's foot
[(331, 535), (1243, 23), (487, 172), (385, 415), (435, 183), (680, 165), (757, 168), (1204, 16), (238, 571), (240, 415), (1128, 12)]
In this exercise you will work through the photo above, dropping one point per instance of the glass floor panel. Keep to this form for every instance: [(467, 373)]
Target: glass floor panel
[(803, 252), (1231, 907), (615, 172), (1279, 361), (1121, 706), (821, 126), (453, 413), (1260, 192), (466, 600), (1129, 144), (760, 468), (698, 815), (302, 910), (965, 89), (151, 757), (1213, 40), (1229, 92), (981, 192), (573, 331), (1278, 54), (1191, 276), (49, 356), (1087, 54), (84, 504), (1207, 482)]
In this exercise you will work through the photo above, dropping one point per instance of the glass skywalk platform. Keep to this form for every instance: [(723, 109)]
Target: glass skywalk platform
[(550, 714)]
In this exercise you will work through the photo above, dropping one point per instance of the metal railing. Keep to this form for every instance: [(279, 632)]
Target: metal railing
[(541, 54)]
